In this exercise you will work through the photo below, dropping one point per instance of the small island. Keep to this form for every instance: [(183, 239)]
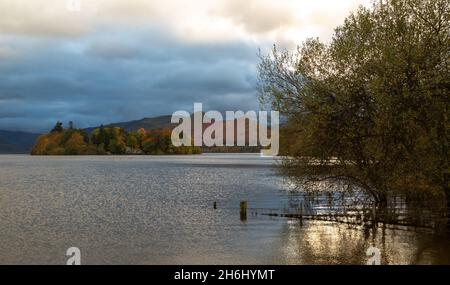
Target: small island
[(108, 141)]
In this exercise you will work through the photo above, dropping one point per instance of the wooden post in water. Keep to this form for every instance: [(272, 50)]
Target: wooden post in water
[(301, 214), (215, 205), (243, 210)]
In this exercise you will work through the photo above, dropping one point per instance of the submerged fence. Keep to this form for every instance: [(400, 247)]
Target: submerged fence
[(399, 213)]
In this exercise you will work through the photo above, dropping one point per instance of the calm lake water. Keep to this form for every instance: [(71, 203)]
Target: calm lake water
[(159, 210)]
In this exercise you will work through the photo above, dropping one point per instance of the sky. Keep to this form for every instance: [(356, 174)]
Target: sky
[(120, 60)]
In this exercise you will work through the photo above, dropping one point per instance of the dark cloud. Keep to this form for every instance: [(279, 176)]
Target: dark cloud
[(118, 75)]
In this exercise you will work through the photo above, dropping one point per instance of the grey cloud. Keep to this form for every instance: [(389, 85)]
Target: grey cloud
[(95, 81), (112, 50)]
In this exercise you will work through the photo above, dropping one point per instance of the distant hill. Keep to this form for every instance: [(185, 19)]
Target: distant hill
[(12, 142), (164, 122), (22, 142), (161, 122)]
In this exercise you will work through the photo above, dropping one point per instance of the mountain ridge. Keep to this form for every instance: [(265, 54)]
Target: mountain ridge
[(16, 142), (152, 123)]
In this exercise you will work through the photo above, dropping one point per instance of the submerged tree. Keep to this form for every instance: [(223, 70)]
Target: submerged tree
[(371, 107)]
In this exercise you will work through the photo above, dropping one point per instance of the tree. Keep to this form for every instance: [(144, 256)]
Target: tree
[(75, 144), (40, 145), (58, 128), (132, 140), (141, 136), (99, 136), (117, 146), (372, 107)]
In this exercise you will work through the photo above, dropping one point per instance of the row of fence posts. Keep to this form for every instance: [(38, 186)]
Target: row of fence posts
[(243, 206), (366, 217)]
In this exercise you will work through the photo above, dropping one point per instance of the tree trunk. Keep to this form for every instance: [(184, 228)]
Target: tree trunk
[(382, 201), (448, 208), (447, 197)]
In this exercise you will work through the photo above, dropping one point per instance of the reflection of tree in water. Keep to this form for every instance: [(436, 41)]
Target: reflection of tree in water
[(319, 242), (350, 205), (335, 224)]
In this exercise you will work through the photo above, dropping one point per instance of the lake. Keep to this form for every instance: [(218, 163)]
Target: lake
[(159, 210)]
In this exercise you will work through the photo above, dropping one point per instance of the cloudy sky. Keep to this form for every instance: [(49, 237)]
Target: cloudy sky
[(118, 60)]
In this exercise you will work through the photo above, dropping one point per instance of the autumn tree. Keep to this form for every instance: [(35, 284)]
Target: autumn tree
[(109, 140), (75, 144), (370, 108)]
